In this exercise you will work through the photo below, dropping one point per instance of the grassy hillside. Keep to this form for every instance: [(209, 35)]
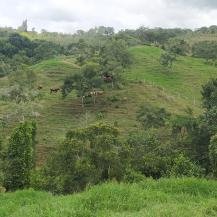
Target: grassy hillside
[(183, 80), (147, 82), (166, 197)]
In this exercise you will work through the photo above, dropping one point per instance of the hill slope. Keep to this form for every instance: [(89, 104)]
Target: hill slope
[(147, 82), (166, 197), (184, 79)]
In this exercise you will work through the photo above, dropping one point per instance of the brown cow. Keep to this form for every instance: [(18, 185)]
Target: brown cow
[(54, 90), (96, 93), (107, 78), (99, 92), (40, 87)]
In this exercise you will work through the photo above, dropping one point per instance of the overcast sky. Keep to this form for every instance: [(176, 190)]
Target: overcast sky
[(71, 15)]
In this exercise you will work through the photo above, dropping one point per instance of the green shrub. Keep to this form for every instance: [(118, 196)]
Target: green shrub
[(167, 59), (132, 176), (100, 115), (150, 116), (183, 166)]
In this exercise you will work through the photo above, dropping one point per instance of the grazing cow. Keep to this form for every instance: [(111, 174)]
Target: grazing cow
[(99, 92), (54, 90), (90, 94), (40, 87), (93, 94), (107, 78), (96, 93)]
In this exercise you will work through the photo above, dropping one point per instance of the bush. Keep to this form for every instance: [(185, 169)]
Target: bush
[(182, 166), (167, 59), (150, 116), (132, 176), (178, 46)]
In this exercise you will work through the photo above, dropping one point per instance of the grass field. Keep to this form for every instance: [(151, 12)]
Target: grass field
[(163, 198), (184, 79), (147, 82)]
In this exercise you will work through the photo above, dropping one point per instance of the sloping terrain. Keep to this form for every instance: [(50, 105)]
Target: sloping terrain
[(146, 82), (184, 79)]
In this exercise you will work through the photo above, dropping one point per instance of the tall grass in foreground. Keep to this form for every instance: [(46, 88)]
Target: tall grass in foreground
[(166, 197)]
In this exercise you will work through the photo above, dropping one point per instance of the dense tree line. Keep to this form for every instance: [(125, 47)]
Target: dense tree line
[(206, 50), (85, 43), (16, 50)]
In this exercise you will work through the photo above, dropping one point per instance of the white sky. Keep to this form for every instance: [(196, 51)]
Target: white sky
[(71, 15)]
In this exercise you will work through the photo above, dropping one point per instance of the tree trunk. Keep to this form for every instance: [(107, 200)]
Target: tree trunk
[(94, 99), (82, 101)]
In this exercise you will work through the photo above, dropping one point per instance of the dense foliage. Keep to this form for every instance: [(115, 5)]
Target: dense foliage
[(150, 116), (20, 157), (206, 50), (16, 50), (87, 156)]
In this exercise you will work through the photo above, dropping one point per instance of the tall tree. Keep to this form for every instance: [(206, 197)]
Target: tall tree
[(20, 156), (213, 154)]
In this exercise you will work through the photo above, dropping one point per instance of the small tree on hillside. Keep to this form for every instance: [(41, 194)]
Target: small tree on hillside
[(84, 82), (23, 92), (177, 47), (114, 58), (152, 117), (20, 156), (167, 59), (22, 86)]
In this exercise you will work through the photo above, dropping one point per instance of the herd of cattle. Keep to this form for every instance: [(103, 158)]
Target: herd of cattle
[(90, 94)]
